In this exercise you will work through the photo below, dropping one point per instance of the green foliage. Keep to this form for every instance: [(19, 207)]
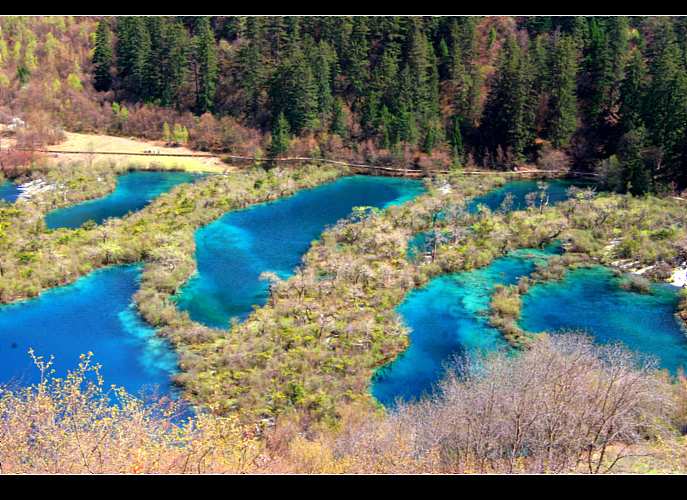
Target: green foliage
[(456, 140), (508, 114), (206, 61), (563, 121), (280, 136), (102, 57), (74, 82), (635, 176)]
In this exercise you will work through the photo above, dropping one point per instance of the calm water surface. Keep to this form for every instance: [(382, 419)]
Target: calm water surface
[(556, 190), (95, 313), (133, 192), (591, 300), (448, 318), (233, 251), (9, 191)]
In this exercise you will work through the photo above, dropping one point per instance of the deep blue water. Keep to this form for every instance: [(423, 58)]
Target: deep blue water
[(96, 314), (233, 251), (134, 190), (447, 318), (590, 299), (9, 191), (557, 191)]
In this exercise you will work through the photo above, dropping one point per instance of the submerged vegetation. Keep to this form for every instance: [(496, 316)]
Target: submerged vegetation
[(34, 258), (315, 344), (287, 389), (305, 360)]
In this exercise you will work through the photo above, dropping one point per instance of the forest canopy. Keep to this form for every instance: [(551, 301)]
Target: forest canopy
[(601, 94)]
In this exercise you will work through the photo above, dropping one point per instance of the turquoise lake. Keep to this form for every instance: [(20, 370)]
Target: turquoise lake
[(233, 251), (448, 318), (134, 190), (556, 190), (591, 300), (9, 191), (95, 313)]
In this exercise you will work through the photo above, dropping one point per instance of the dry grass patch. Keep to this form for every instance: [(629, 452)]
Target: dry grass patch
[(108, 143)]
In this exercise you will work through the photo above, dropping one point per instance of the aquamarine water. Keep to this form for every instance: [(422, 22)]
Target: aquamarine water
[(591, 300), (556, 191), (9, 191), (447, 319), (233, 251), (134, 190), (95, 313)]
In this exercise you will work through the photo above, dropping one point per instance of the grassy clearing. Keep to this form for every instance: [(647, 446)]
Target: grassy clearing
[(108, 143)]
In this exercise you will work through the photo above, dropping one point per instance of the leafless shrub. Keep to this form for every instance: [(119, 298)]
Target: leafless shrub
[(553, 159), (564, 405)]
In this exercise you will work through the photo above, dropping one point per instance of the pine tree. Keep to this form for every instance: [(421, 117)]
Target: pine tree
[(563, 104), (431, 137), (385, 128), (508, 120), (102, 58), (445, 60), (133, 47), (635, 176), (357, 57), (418, 64), (322, 70), (540, 60), (338, 125), (206, 67), (153, 65), (606, 60), (460, 79), (124, 49), (633, 93), (277, 35), (666, 103), (293, 91), (474, 97), (174, 63), (280, 136), (250, 60), (455, 139), (140, 53)]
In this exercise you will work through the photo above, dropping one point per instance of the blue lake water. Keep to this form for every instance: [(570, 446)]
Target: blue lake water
[(447, 318), (556, 191), (590, 299), (96, 314), (134, 190), (9, 191), (233, 251)]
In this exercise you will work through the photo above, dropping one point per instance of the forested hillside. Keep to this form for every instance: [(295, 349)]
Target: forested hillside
[(604, 94)]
